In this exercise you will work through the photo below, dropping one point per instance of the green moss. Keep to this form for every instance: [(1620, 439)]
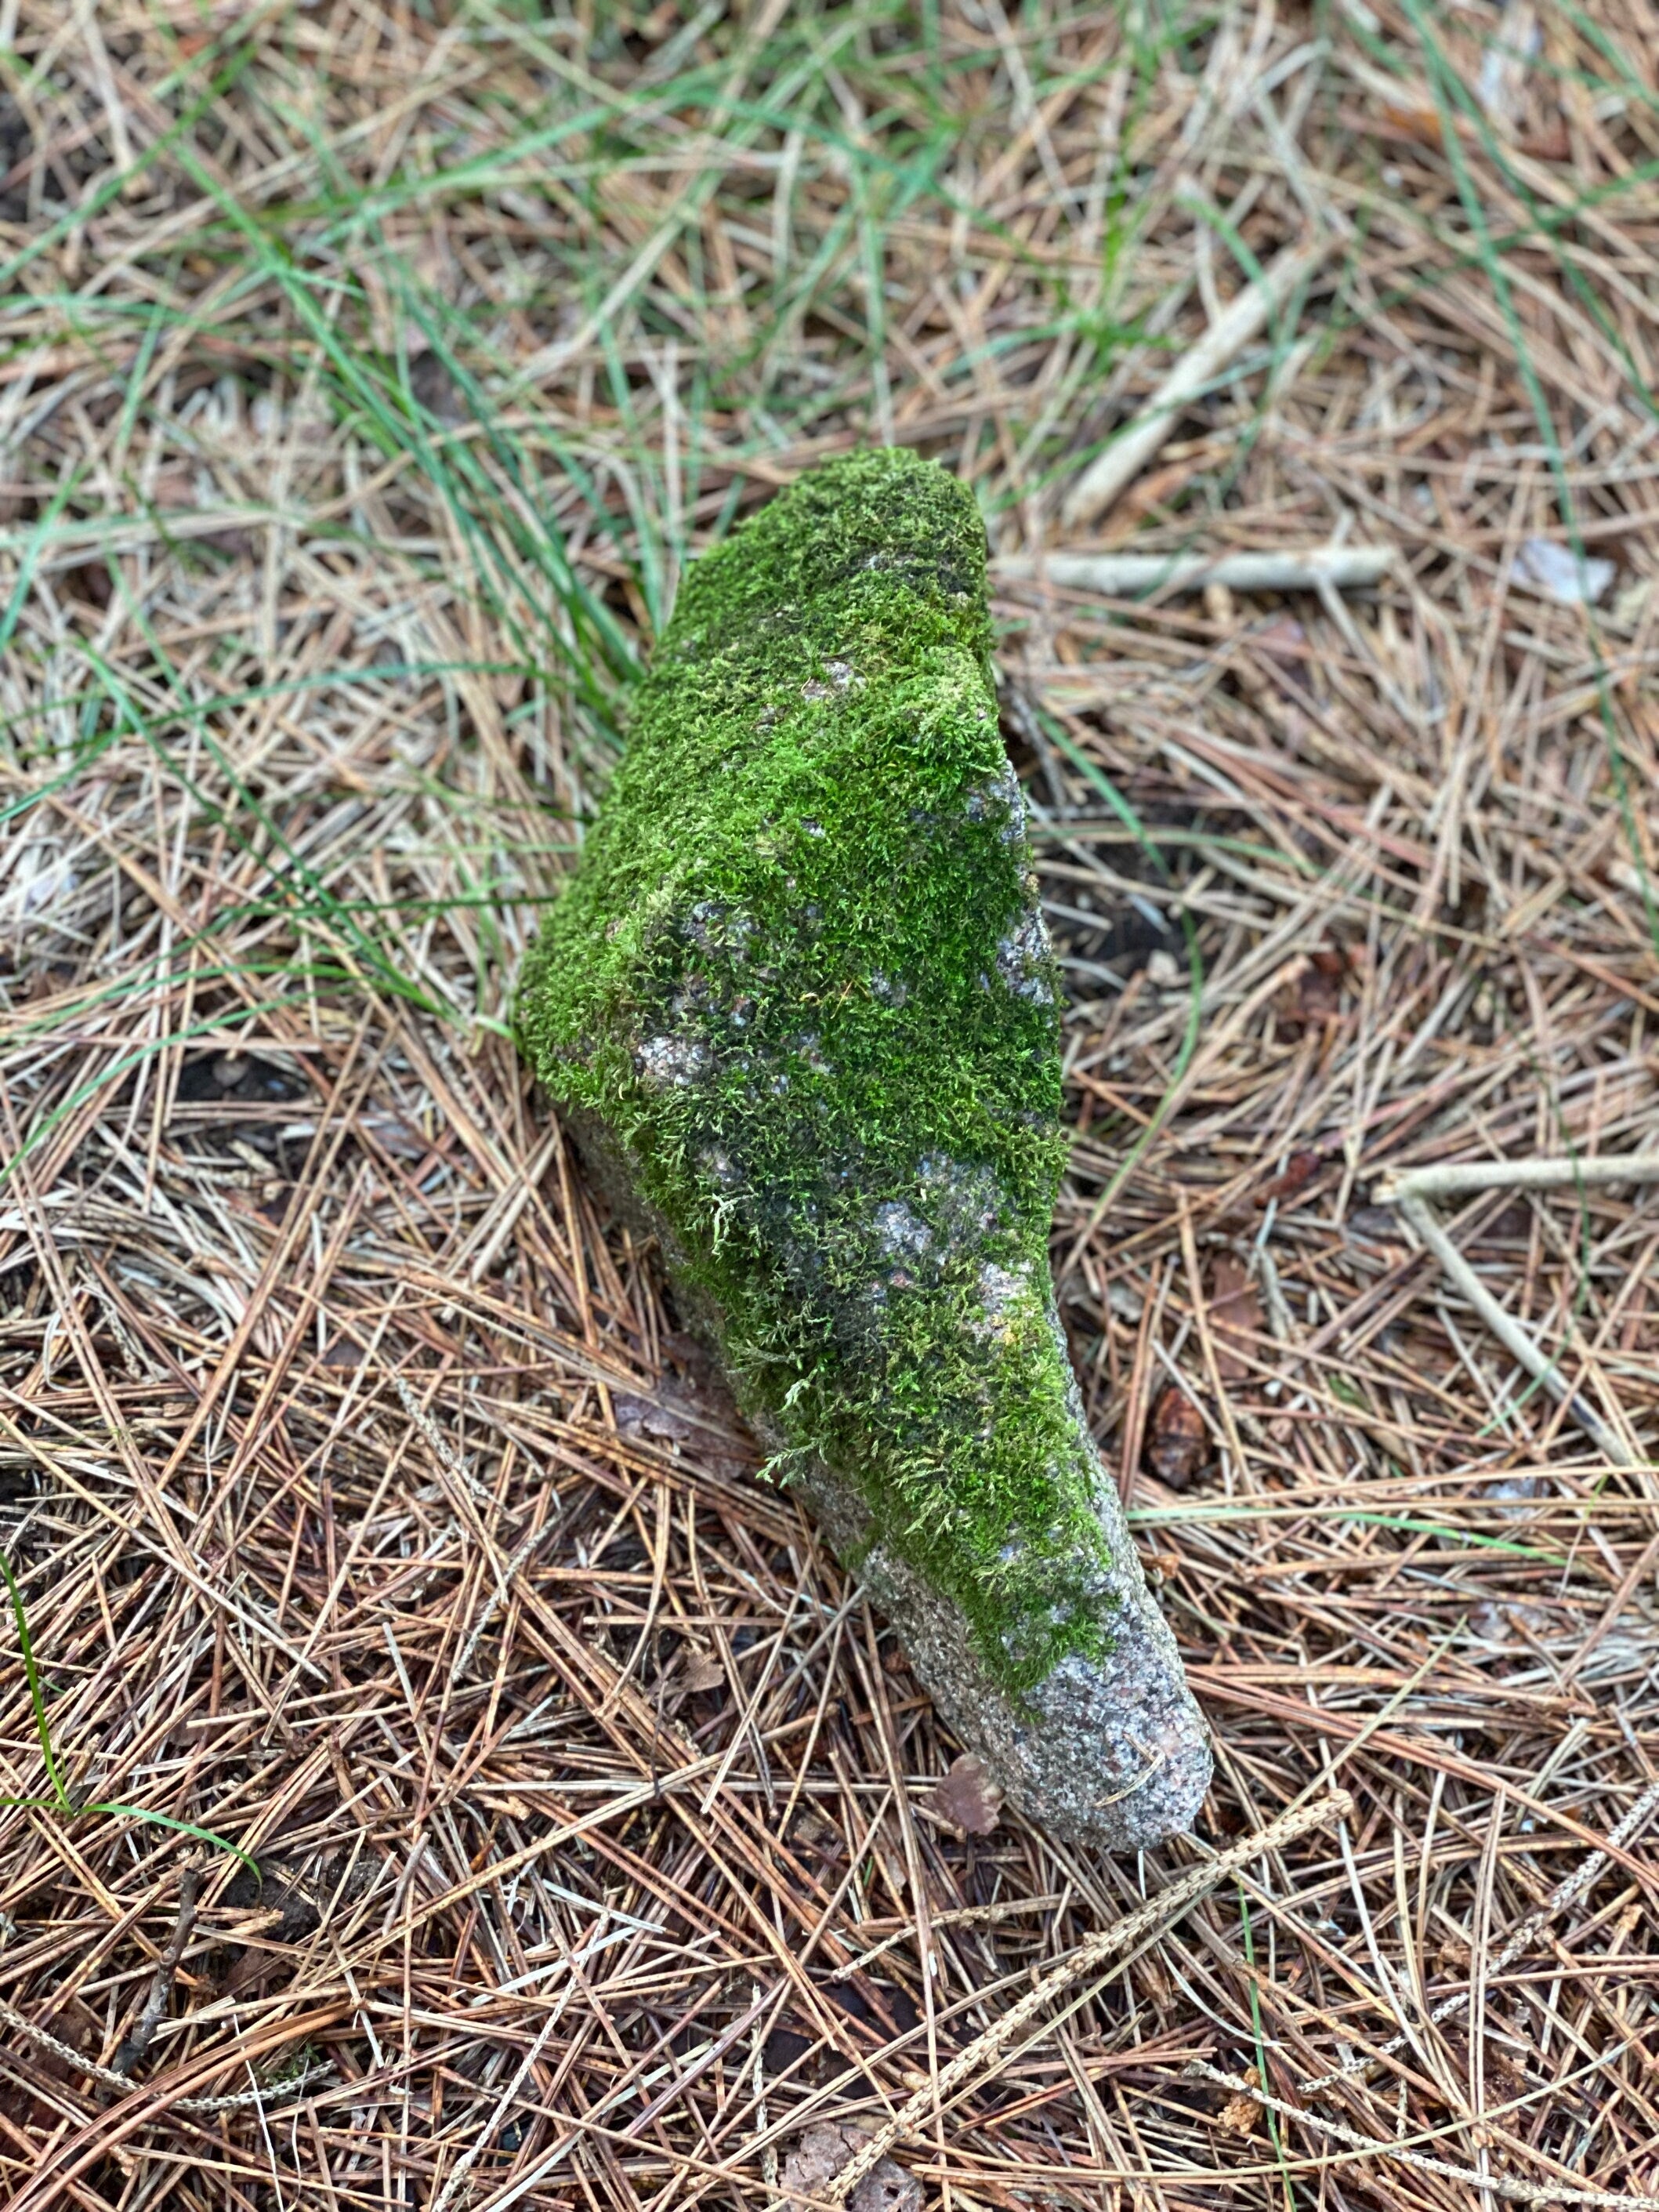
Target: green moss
[(800, 973)]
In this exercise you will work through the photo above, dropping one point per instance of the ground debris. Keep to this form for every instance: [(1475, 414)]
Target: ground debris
[(371, 377), (819, 2156), (965, 1798)]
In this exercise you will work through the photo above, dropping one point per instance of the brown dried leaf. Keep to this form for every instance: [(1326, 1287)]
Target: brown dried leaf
[(701, 1671), (966, 1799), (1178, 1444), (76, 2024), (1282, 645), (1554, 144), (1236, 1315), (1241, 2115), (1421, 124), (1299, 1171), (819, 2155)]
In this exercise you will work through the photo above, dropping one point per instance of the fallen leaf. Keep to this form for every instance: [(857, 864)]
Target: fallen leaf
[(1161, 485), (1504, 2079), (1422, 125), (1236, 1315), (701, 1671), (1556, 572), (1551, 145), (966, 1799), (1241, 2115), (1299, 1171), (1178, 1444), (818, 2157), (1283, 646)]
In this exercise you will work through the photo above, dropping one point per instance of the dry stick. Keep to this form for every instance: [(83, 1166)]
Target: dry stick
[(1412, 1190), (968, 1915), (1232, 330), (768, 2150), (1509, 1332), (134, 2046), (1639, 1568), (1457, 1181), (1566, 1894), (1126, 575), (106, 2076), (1156, 1914), (485, 2136), (1517, 2192)]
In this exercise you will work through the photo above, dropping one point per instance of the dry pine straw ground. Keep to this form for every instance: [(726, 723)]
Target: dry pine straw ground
[(366, 372)]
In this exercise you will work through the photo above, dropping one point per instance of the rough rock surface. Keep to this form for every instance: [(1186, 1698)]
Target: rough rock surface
[(800, 1005)]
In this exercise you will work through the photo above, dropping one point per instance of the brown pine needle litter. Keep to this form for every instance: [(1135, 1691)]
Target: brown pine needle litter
[(370, 373)]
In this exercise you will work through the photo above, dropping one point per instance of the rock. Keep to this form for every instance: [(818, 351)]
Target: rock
[(798, 1005)]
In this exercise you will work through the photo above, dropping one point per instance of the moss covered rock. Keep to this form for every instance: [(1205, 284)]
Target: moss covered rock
[(800, 1005)]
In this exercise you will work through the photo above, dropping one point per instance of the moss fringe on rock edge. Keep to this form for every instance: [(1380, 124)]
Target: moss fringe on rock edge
[(801, 977)]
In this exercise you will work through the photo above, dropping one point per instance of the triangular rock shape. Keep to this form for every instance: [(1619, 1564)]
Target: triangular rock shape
[(798, 1005)]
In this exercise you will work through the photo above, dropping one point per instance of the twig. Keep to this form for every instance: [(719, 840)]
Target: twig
[(1457, 1180), (486, 2134), (1232, 330), (1509, 1332), (1566, 1894), (966, 1916), (1128, 575), (133, 2047), (1155, 1915), (238, 2101), (1517, 2192), (769, 2150)]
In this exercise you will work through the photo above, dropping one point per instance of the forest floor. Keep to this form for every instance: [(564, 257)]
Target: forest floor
[(367, 373)]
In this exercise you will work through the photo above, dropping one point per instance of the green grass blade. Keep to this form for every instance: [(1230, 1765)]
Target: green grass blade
[(61, 1797), (179, 1827)]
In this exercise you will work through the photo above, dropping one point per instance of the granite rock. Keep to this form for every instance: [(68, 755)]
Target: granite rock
[(799, 1007)]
